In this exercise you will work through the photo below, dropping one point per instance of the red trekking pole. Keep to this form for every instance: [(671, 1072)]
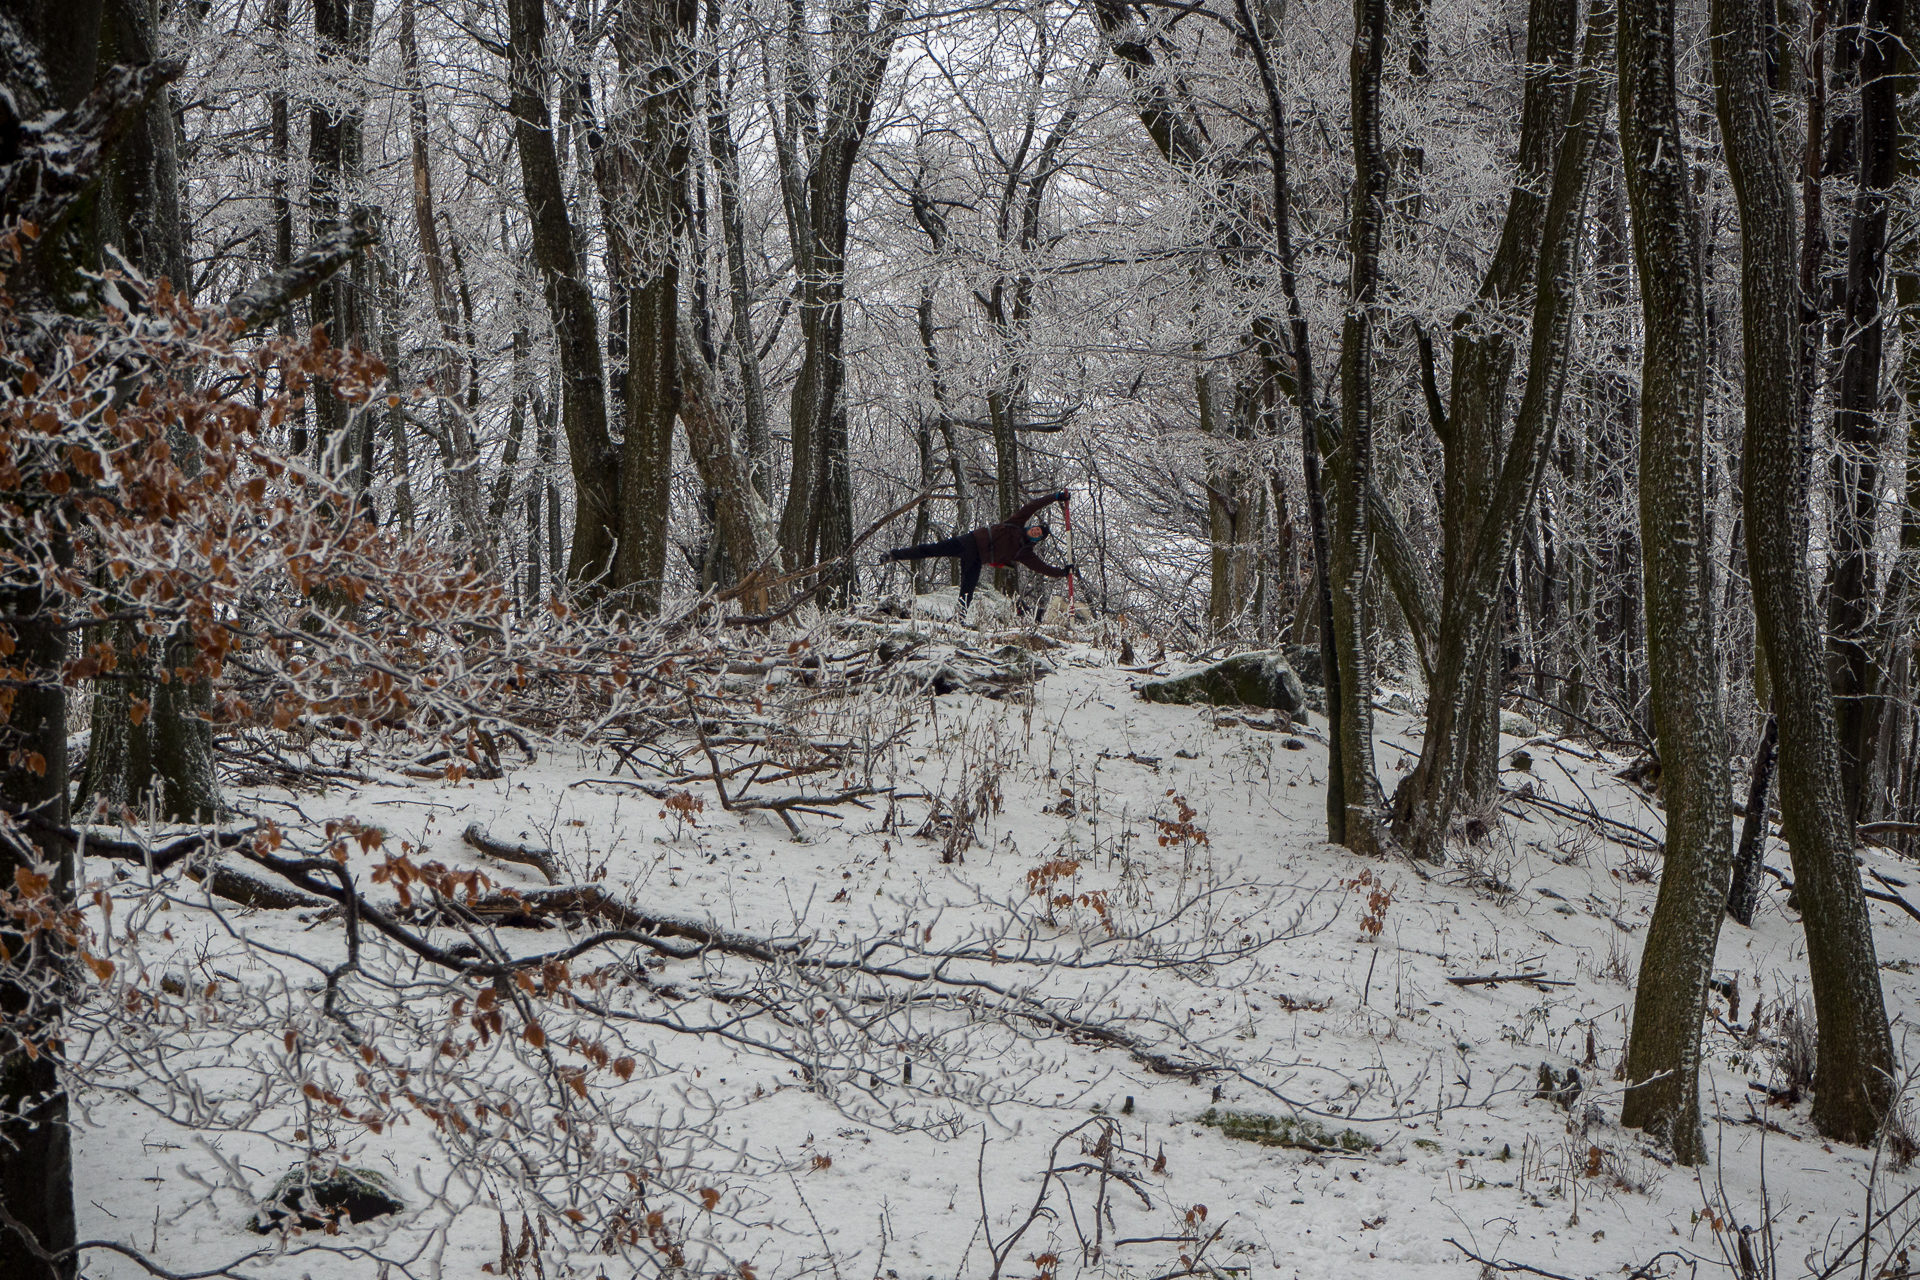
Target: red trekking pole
[(1066, 509)]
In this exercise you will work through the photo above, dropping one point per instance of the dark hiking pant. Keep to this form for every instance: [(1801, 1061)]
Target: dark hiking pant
[(964, 545)]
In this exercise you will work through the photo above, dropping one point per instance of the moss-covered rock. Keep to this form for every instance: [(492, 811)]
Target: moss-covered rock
[(1285, 1131), (310, 1198), (1260, 679)]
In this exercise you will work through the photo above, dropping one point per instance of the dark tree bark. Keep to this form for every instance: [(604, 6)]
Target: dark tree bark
[(648, 147), (745, 524), (1743, 895), (1289, 359), (341, 31), (816, 145), (1351, 464), (1663, 1056), (55, 185), (160, 756), (1853, 1073), (1491, 481), (576, 324), (1859, 431)]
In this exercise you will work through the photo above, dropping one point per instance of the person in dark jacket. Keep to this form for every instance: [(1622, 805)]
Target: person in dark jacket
[(995, 546)]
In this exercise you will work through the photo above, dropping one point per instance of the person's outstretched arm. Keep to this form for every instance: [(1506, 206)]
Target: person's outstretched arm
[(1040, 503), (1035, 563)]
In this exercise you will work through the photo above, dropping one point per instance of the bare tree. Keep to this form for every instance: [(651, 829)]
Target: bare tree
[(576, 322), (816, 143), (1663, 1054), (1853, 1072)]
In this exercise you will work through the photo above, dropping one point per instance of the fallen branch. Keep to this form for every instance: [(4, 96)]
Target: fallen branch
[(824, 568), (1621, 833), (1508, 1267), (158, 858), (1888, 896), (541, 860), (422, 767), (1493, 979)]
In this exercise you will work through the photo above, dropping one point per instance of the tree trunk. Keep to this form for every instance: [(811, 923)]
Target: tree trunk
[(1289, 360), (1859, 433), (1463, 691), (648, 146), (1853, 1081), (396, 417), (927, 214), (1743, 895), (463, 469), (1474, 447), (1663, 1056), (62, 41), (1351, 464), (576, 324), (342, 29), (758, 439), (151, 748), (745, 523), (816, 158)]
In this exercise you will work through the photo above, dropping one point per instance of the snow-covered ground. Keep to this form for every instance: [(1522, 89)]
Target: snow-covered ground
[(1206, 920)]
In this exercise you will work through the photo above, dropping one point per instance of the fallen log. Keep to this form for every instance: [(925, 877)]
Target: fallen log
[(235, 885), (541, 860)]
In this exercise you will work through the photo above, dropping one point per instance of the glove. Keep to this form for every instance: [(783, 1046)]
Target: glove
[(1060, 496), (1067, 567)]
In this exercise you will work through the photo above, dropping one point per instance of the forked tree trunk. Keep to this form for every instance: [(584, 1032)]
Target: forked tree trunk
[(1853, 1073), (1546, 225), (576, 324), (1484, 349), (1663, 1056), (816, 146)]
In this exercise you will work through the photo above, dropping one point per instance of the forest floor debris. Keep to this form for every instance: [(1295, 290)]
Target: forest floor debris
[(1118, 941)]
